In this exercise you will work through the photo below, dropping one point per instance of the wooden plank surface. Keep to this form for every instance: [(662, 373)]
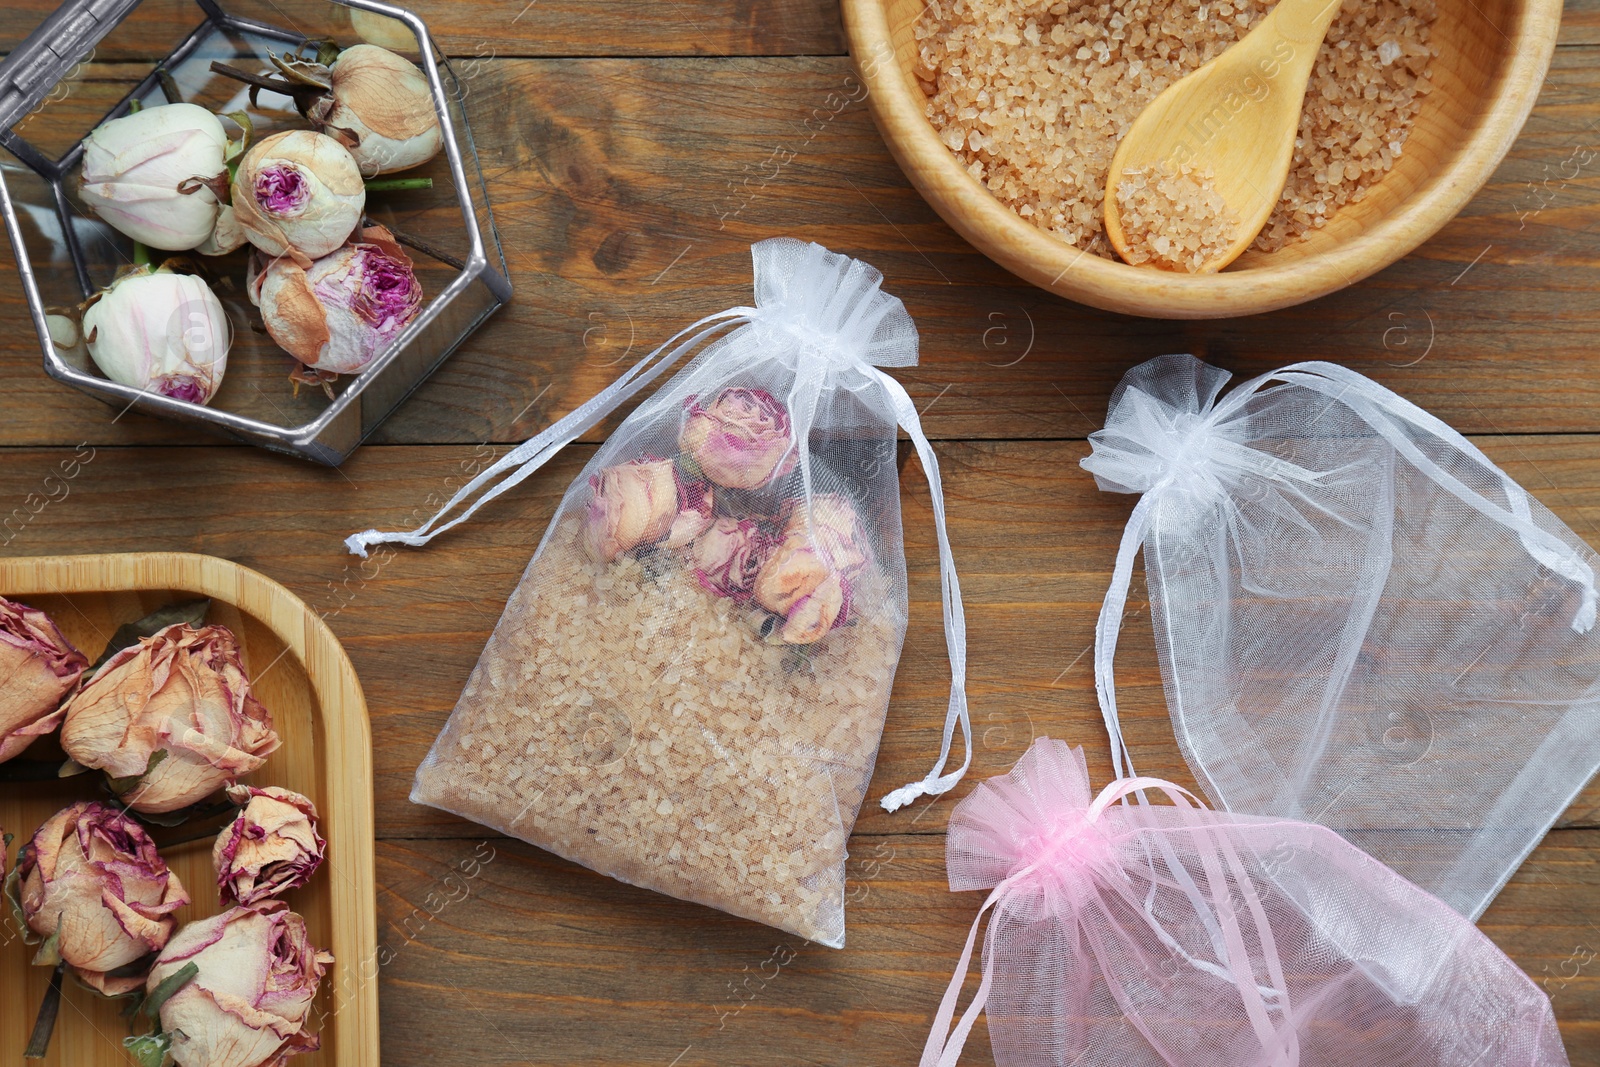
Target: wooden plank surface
[(632, 154), (610, 179)]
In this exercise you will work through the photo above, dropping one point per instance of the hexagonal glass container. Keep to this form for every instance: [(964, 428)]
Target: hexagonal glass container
[(95, 60)]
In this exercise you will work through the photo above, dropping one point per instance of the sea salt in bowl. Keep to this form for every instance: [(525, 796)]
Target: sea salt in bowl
[(1491, 60)]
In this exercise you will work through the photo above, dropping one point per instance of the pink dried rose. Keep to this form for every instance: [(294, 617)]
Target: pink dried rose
[(342, 311), (271, 847), (814, 614), (741, 440), (92, 884), (298, 194), (38, 668), (379, 106), (249, 1004), (806, 580), (728, 556), (639, 503), (694, 516), (171, 719)]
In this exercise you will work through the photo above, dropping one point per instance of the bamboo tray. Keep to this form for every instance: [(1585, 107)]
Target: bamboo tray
[(305, 680)]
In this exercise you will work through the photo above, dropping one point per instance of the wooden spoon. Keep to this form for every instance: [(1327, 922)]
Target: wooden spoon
[(1236, 117)]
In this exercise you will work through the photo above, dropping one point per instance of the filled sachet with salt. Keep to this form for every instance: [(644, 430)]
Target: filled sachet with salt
[(1129, 933), (687, 690), (1361, 621)]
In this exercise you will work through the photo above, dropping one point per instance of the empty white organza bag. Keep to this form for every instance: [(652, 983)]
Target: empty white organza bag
[(1361, 621), (687, 689), (1137, 934)]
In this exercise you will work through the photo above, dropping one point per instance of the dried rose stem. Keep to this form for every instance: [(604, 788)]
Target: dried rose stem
[(169, 86), (45, 1024), (394, 185), (260, 81)]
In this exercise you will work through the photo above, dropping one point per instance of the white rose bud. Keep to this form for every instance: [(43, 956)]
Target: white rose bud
[(379, 106), (338, 314), (161, 332), (298, 194), (151, 174)]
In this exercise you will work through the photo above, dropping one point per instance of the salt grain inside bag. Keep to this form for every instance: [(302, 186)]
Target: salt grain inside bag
[(1361, 621), (1137, 934), (687, 690)]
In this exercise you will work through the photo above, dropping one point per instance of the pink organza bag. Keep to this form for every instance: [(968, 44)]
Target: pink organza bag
[(1131, 934)]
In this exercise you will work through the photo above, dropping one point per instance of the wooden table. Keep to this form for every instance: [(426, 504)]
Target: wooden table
[(634, 151)]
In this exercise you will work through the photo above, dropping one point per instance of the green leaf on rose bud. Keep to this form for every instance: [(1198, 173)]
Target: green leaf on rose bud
[(149, 1050), (689, 469), (49, 954), (71, 769), (129, 634), (169, 985), (237, 149), (327, 51), (120, 786)]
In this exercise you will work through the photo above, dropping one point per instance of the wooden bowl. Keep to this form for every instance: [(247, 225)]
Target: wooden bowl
[(1493, 58), (300, 673)]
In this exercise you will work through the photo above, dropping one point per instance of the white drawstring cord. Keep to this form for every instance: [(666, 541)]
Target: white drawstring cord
[(955, 619), (535, 453)]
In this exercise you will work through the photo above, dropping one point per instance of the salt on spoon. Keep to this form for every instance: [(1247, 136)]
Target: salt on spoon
[(1202, 167)]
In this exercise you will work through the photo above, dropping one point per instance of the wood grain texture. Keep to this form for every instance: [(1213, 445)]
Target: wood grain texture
[(609, 177), (303, 676), (626, 976), (476, 29)]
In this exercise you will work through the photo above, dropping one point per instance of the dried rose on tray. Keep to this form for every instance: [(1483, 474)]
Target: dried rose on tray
[(91, 886), (256, 974), (271, 847), (170, 720), (38, 668)]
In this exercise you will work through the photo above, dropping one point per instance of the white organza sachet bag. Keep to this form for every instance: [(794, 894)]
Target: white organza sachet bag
[(687, 689), (1361, 621)]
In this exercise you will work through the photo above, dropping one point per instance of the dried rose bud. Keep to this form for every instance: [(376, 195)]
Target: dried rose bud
[(249, 1005), (225, 236), (695, 502), (270, 848), (339, 313), (92, 879), (380, 107), (170, 720), (38, 668), (821, 542), (813, 615), (728, 556), (298, 194), (742, 440), (633, 504), (162, 332), (153, 174)]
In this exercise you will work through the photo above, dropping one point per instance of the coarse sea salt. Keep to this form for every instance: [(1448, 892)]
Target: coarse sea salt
[(1060, 83)]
